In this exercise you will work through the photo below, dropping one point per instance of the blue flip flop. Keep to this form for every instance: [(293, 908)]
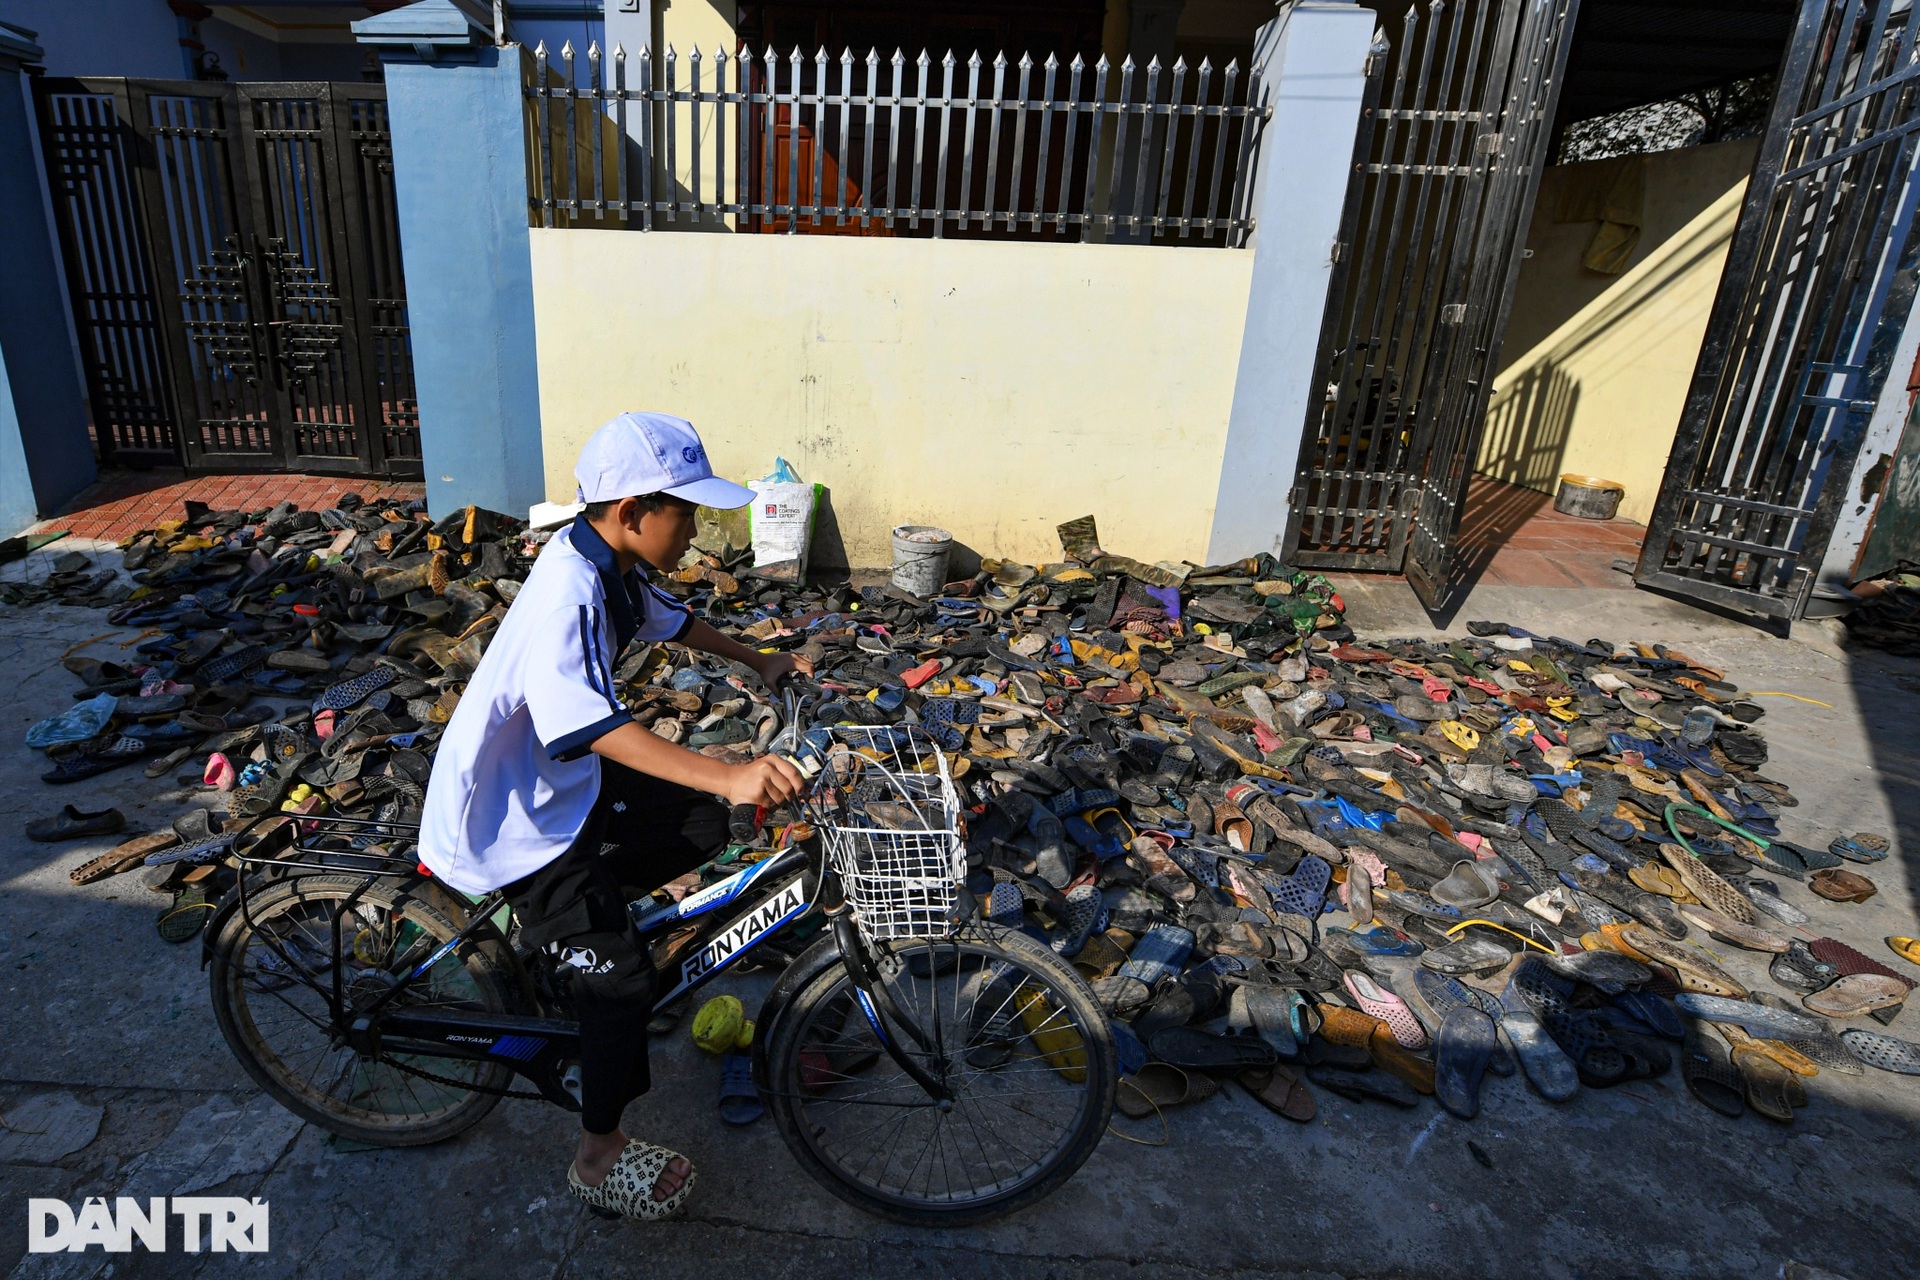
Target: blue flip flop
[(740, 1102)]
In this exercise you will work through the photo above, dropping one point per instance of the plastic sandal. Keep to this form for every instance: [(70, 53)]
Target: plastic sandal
[(1281, 1091), (627, 1190), (1303, 892), (1710, 1074), (1883, 1052), (122, 858), (123, 750), (740, 1102), (1388, 1008), (341, 696), (1861, 846), (1465, 1045), (1158, 955), (1082, 912), (1583, 1037)]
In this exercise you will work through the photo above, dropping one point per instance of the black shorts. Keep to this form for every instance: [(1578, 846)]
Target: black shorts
[(576, 907), (577, 904)]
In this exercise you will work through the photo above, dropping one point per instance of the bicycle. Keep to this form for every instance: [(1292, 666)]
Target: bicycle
[(922, 1064)]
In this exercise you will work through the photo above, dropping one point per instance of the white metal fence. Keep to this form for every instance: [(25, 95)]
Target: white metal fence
[(866, 147)]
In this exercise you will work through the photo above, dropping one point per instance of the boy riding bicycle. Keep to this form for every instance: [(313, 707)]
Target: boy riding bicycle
[(541, 766)]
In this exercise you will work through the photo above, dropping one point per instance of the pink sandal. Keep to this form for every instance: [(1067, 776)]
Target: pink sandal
[(219, 774), (1387, 1007)]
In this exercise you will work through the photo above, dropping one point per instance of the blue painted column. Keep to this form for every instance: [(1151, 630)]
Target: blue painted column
[(457, 112), (1313, 59), (45, 455)]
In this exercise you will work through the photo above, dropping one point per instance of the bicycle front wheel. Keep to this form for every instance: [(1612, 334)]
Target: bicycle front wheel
[(271, 980), (1010, 1029)]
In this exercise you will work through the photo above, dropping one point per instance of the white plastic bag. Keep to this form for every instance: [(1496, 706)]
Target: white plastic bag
[(782, 523)]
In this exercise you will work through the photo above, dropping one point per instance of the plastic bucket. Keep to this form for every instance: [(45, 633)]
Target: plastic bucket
[(920, 558), (1588, 497)]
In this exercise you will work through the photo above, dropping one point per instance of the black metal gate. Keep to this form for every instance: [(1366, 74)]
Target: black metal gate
[(1445, 167), (233, 257), (1803, 329)]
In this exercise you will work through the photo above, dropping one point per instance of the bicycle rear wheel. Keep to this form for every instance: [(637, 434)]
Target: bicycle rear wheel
[(1011, 1029), (270, 982)]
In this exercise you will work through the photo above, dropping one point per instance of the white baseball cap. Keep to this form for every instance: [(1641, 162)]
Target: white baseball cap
[(642, 453)]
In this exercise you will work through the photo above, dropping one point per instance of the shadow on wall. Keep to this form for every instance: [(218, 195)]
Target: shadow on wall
[(1602, 393), (1528, 424)]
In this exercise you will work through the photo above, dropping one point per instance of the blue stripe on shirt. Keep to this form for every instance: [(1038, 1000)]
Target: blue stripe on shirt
[(586, 651), (578, 743)]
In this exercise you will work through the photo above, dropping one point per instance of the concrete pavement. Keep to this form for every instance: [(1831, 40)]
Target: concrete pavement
[(105, 1025)]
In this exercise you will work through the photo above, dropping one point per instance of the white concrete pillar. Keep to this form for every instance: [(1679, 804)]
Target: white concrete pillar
[(1312, 62)]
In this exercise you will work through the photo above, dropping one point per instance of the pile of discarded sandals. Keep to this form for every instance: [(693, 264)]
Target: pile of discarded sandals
[(1282, 856), (1888, 616)]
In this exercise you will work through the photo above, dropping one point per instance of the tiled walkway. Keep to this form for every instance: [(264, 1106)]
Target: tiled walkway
[(1513, 537), (121, 503)]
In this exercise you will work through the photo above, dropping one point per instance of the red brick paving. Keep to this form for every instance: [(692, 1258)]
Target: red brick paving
[(122, 503), (1513, 537)]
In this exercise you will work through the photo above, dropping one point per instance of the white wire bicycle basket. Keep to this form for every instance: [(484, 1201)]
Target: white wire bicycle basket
[(889, 820)]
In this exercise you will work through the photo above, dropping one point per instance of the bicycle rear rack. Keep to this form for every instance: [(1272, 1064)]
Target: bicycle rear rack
[(329, 843)]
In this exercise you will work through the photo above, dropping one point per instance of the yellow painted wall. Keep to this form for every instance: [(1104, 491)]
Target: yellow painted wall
[(706, 25), (1598, 366), (992, 388)]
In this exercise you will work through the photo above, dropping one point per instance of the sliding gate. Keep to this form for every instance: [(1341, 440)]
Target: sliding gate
[(233, 259), (1453, 133), (1802, 333)]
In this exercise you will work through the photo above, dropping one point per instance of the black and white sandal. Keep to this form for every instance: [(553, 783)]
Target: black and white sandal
[(627, 1189)]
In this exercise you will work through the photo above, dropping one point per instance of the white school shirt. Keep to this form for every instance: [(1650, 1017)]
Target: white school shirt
[(514, 779)]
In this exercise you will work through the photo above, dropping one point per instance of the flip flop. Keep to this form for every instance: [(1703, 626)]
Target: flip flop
[(1466, 1043), (1907, 949), (740, 1102), (124, 857), (1192, 1049), (1758, 1019), (1652, 1011), (1281, 1091), (1725, 929), (1798, 969), (1883, 1052), (1710, 1074), (1159, 1085), (1856, 994)]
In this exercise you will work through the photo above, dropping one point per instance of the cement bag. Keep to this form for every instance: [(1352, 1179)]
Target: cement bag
[(782, 523)]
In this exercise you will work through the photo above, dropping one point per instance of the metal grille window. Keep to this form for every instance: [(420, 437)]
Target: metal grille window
[(872, 146)]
